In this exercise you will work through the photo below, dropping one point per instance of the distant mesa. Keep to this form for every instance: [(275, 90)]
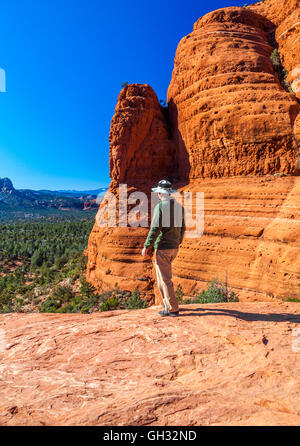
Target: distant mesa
[(20, 200), (6, 184)]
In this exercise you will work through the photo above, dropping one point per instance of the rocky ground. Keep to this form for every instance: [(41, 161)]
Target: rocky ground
[(217, 364)]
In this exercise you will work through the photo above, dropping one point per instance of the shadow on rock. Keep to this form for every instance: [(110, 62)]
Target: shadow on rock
[(269, 317)]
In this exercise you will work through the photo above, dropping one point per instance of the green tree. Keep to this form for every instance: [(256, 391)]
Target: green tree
[(37, 258), (112, 303), (216, 292), (135, 302), (179, 294)]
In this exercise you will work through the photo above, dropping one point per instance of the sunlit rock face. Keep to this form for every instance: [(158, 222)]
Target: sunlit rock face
[(232, 131), (230, 113), (286, 17), (141, 153), (219, 364)]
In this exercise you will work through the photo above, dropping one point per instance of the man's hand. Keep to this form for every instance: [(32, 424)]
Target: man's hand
[(146, 251)]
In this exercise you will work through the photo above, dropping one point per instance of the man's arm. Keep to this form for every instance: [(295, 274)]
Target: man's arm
[(155, 229), (183, 227)]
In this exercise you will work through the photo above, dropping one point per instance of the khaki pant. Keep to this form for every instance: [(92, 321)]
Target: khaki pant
[(163, 268)]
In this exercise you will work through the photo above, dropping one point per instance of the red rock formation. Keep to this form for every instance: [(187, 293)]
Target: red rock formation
[(140, 154), (287, 20), (222, 364), (233, 128), (232, 117), (140, 146), (230, 114), (252, 228)]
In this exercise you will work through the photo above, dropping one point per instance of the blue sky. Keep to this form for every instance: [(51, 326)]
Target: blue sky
[(65, 61)]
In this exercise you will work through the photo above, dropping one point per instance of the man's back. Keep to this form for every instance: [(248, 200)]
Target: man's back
[(167, 226)]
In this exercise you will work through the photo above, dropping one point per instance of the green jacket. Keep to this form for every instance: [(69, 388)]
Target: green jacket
[(167, 226)]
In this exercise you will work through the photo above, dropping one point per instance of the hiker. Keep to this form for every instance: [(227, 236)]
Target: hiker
[(165, 235)]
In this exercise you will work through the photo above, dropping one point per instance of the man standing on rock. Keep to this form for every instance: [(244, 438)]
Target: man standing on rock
[(165, 235)]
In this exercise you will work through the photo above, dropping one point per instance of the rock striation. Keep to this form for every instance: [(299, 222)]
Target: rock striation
[(140, 145), (230, 113), (287, 22), (218, 364), (232, 131)]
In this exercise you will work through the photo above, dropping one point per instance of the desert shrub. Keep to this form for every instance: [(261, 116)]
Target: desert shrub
[(6, 299), (49, 305), (64, 300), (279, 70), (86, 289), (63, 293), (135, 302), (37, 258), (60, 261), (87, 298), (275, 58), (179, 294), (54, 303), (112, 303), (216, 292), (292, 299), (105, 295)]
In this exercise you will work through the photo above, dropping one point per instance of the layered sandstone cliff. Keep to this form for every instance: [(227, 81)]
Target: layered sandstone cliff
[(231, 130), (228, 109)]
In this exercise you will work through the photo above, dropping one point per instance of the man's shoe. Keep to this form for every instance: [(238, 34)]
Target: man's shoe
[(174, 313), (164, 313)]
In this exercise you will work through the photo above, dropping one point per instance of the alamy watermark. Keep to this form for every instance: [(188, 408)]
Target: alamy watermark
[(2, 81), (132, 210)]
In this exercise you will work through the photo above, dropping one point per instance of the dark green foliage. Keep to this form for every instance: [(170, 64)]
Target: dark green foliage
[(60, 298), (48, 215), (292, 299), (43, 269), (279, 70), (87, 300), (40, 242), (60, 261), (124, 84), (135, 302), (112, 303), (179, 294), (216, 292), (64, 300), (38, 256), (275, 58), (5, 302)]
